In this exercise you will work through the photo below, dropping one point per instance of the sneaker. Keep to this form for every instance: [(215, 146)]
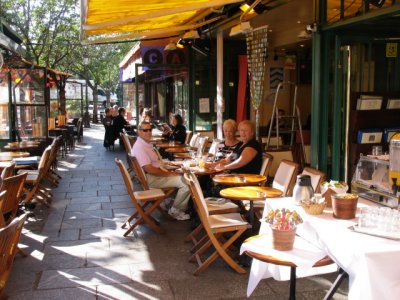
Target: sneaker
[(166, 204), (178, 214)]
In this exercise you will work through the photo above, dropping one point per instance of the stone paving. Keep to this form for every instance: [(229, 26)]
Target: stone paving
[(76, 249)]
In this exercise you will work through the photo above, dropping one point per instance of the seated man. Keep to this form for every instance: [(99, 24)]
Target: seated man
[(157, 177)]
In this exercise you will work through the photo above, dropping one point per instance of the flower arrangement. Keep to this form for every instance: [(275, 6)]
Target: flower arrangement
[(283, 219)]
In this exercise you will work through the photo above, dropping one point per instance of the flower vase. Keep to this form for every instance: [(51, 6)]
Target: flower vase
[(283, 240)]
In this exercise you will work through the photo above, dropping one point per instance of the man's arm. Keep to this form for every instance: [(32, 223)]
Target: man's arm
[(158, 172)]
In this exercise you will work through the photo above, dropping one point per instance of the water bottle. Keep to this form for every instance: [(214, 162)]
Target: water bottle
[(303, 190)]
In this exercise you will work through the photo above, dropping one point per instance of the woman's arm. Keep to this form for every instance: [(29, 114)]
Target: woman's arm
[(247, 155)]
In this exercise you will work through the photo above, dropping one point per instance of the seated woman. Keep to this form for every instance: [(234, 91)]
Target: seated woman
[(230, 143), (247, 158), (176, 132)]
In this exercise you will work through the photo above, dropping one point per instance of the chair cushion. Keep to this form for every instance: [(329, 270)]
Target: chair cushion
[(148, 194), (226, 220)]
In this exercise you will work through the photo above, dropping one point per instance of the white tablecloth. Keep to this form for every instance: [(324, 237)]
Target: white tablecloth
[(371, 262)]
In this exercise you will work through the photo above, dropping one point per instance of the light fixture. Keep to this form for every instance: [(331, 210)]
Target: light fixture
[(257, 7), (243, 27), (192, 34), (170, 46)]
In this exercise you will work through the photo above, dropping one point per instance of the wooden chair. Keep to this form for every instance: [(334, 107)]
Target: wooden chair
[(33, 188), (13, 186), (189, 135), (145, 202), (193, 140), (317, 177), (142, 178), (215, 226), (285, 177), (8, 171), (9, 237), (266, 165)]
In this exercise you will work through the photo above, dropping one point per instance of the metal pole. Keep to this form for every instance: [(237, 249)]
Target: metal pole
[(86, 117)]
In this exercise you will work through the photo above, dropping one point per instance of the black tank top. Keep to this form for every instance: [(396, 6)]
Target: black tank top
[(254, 166)]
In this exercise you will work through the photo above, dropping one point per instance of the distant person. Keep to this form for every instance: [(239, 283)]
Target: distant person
[(109, 137), (147, 116), (176, 131), (119, 122)]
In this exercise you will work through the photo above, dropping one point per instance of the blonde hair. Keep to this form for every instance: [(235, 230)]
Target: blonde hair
[(230, 123), (250, 124)]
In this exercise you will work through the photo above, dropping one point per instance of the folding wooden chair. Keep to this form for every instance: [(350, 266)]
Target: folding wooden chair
[(317, 177), (189, 135), (285, 177), (215, 226), (33, 188), (145, 202), (9, 237), (8, 171), (142, 178), (266, 166), (13, 186)]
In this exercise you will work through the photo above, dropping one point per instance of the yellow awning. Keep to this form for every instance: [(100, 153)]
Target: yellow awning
[(105, 20)]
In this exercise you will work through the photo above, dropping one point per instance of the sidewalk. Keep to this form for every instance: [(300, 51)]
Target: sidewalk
[(76, 249)]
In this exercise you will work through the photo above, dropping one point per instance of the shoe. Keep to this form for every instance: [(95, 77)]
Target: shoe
[(164, 205), (178, 214)]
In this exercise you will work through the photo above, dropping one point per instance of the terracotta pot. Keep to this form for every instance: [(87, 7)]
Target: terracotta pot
[(344, 206), (283, 240)]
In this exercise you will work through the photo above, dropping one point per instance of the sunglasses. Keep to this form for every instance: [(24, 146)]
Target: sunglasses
[(146, 130)]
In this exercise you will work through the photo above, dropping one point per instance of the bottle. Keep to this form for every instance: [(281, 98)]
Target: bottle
[(303, 190)]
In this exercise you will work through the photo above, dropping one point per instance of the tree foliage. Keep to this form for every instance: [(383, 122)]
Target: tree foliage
[(50, 30)]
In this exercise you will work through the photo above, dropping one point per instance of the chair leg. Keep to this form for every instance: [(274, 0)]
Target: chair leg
[(21, 252), (339, 279)]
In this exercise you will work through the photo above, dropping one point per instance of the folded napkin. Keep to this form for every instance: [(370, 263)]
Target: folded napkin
[(30, 160)]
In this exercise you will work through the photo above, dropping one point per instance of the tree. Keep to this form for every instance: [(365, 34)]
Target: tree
[(50, 30)]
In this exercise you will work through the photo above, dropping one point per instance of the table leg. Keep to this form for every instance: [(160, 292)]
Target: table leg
[(292, 289)]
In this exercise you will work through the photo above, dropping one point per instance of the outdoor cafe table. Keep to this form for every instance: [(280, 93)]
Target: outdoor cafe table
[(170, 145), (250, 193), (9, 156), (239, 179), (370, 262), (16, 146)]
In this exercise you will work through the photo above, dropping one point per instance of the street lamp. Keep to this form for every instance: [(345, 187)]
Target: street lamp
[(86, 119)]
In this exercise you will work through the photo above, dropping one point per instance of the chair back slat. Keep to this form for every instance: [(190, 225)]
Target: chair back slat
[(317, 177), (125, 176), (13, 186), (189, 135), (214, 147), (285, 177), (193, 140), (8, 171), (266, 164), (139, 172), (198, 196)]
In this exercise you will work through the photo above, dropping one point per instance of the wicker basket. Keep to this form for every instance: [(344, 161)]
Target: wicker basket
[(314, 209)]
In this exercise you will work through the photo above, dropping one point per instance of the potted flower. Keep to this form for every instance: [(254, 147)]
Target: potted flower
[(283, 225)]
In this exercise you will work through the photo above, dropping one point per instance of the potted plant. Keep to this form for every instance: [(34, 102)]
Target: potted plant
[(283, 225)]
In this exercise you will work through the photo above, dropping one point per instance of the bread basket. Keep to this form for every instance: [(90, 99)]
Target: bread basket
[(313, 208)]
